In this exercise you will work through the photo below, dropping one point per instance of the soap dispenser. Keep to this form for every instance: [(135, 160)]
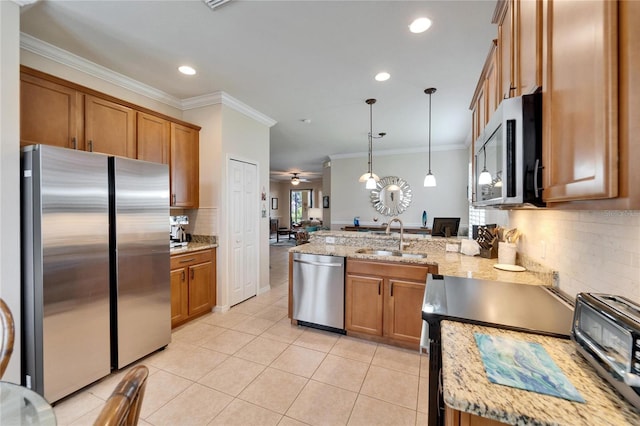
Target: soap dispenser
[(356, 221)]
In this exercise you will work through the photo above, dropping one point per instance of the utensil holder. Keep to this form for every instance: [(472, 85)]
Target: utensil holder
[(506, 253)]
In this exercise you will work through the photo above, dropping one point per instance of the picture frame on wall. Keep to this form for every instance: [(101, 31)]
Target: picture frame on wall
[(274, 204), (325, 201)]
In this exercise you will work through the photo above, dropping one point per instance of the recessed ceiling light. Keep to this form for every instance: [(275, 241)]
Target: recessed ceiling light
[(382, 76), (420, 25), (187, 70), (306, 120)]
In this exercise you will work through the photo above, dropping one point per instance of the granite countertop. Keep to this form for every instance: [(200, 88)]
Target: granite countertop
[(191, 247), (466, 387), (449, 263)]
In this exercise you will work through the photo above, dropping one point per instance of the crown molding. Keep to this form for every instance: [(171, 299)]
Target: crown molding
[(61, 56), (23, 2), (227, 100), (76, 62), (383, 153)]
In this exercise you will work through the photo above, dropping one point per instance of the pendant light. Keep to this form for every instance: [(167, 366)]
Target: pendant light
[(430, 179), (485, 176), (369, 177)]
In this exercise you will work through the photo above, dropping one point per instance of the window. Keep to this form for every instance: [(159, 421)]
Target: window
[(301, 201)]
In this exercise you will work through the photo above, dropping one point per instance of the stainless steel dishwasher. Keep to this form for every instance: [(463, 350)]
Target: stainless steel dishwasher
[(318, 291)]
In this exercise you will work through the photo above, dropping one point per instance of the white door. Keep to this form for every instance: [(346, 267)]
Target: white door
[(243, 219)]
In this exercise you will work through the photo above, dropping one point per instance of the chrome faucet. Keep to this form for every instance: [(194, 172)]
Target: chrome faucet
[(388, 231)]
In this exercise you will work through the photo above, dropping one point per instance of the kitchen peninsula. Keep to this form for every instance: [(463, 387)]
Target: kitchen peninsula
[(384, 286)]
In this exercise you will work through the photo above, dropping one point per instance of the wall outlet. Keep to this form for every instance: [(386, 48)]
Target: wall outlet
[(330, 240), (556, 279), (452, 247)]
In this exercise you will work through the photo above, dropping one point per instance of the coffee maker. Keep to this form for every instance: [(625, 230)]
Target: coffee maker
[(177, 234)]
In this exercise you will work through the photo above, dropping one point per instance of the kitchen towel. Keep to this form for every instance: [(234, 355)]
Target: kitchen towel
[(523, 365)]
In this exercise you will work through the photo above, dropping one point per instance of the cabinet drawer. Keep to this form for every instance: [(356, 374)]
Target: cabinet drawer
[(389, 269), (181, 260)]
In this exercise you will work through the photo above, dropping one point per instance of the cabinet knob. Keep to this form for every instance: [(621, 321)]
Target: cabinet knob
[(183, 276), (191, 275), (90, 145), (173, 199), (74, 142)]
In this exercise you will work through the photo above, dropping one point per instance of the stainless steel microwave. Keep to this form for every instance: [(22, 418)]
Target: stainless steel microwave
[(510, 150)]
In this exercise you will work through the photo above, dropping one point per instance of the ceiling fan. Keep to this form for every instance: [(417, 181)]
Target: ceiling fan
[(294, 176)]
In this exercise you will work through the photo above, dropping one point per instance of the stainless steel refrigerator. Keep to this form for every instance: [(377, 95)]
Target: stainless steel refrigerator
[(95, 262)]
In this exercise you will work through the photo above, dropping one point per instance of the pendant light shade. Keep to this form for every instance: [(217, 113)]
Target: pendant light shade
[(369, 177), (430, 179), (485, 176)]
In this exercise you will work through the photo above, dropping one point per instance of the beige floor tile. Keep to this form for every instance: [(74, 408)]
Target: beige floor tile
[(248, 308), (274, 390), (342, 372), (190, 363), (242, 413), (272, 313), (253, 325), (283, 331), (288, 421), (422, 419), (261, 350), (195, 333), (391, 386), (424, 365), (232, 376), (299, 360), (282, 302), (226, 319), (86, 420), (197, 405), (316, 339), (423, 395), (76, 406), (369, 411), (229, 342), (352, 348), (321, 404), (161, 388), (397, 359)]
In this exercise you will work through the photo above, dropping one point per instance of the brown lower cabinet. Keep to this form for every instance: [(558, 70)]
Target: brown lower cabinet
[(193, 285), (383, 301), (454, 417)]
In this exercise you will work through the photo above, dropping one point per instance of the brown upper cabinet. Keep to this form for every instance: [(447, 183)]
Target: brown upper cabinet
[(519, 46), (485, 98), (580, 100), (50, 114), (184, 166), (61, 113), (153, 138), (109, 127)]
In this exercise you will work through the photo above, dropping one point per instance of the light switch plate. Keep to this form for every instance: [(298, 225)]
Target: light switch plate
[(452, 247), (330, 240)]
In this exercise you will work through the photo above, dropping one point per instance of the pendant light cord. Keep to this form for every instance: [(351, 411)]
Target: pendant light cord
[(370, 138), (429, 133)]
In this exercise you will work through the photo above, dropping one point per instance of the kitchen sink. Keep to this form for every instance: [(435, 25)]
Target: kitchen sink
[(396, 253)]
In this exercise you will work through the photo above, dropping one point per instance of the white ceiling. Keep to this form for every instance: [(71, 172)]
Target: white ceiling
[(294, 60)]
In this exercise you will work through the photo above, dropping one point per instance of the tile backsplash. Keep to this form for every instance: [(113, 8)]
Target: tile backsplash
[(593, 251)]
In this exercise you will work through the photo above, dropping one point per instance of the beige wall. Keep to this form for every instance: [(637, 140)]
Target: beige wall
[(594, 251), (349, 197), (10, 174)]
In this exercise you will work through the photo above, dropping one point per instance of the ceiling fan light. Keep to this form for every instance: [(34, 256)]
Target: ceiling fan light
[(420, 25), (429, 180), (484, 178), (295, 181)]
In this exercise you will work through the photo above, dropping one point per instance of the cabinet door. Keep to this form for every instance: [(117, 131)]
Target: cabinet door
[(505, 52), (363, 304), (403, 310), (153, 138), (492, 88), (199, 288), (110, 128), (580, 100), (50, 114), (184, 166), (527, 50), (179, 296)]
